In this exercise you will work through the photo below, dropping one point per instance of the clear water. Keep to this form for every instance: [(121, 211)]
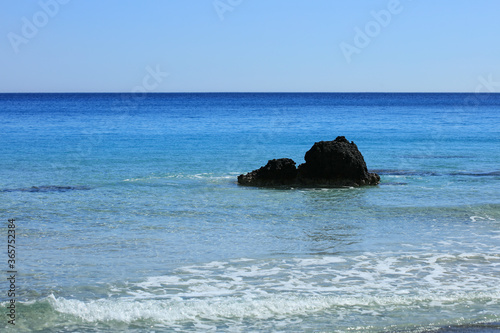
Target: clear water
[(137, 223)]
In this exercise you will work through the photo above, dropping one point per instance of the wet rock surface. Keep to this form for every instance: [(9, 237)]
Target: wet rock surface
[(336, 163), (276, 172)]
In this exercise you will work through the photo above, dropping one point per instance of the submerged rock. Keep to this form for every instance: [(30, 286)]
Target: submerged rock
[(49, 188), (334, 163)]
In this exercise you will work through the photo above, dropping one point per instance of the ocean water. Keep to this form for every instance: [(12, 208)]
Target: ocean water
[(129, 217)]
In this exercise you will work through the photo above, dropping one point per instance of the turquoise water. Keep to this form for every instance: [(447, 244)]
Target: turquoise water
[(129, 218)]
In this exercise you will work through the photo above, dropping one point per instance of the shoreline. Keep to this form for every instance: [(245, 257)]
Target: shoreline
[(493, 327)]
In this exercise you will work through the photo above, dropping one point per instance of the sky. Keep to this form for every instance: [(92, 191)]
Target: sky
[(249, 46)]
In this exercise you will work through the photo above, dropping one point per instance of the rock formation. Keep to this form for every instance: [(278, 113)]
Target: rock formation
[(335, 163), (275, 173)]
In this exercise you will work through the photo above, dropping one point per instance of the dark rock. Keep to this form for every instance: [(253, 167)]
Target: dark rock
[(335, 163), (276, 172)]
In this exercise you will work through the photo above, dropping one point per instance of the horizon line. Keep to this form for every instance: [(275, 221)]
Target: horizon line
[(248, 92)]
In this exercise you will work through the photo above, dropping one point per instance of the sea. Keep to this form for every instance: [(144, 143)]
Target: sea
[(128, 216)]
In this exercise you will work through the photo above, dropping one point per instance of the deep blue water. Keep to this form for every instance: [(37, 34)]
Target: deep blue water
[(129, 218)]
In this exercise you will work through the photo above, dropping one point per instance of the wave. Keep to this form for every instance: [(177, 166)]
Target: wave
[(182, 176), (178, 179), (272, 312), (279, 294)]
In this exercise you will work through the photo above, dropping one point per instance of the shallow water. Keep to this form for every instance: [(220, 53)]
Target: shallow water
[(129, 218)]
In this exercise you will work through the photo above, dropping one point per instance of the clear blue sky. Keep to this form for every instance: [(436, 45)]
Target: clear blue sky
[(248, 45)]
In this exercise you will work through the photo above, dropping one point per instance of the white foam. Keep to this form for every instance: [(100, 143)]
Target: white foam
[(375, 274), (245, 289), (319, 261), (238, 309), (198, 176)]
